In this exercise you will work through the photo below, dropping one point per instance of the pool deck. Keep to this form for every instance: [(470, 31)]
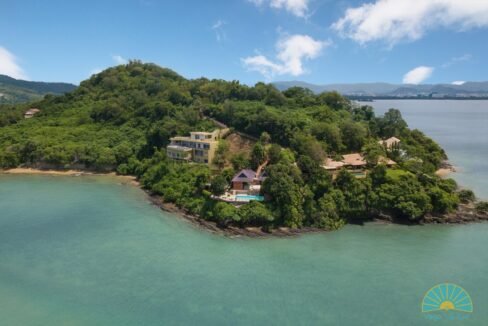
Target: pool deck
[(238, 199)]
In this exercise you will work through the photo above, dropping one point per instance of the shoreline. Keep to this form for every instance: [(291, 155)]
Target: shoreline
[(446, 170), (208, 226), (463, 215), (127, 179), (231, 231)]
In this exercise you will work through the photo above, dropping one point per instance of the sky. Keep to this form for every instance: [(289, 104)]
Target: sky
[(316, 41)]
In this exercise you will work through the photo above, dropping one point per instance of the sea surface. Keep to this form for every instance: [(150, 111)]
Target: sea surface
[(91, 251), (460, 127)]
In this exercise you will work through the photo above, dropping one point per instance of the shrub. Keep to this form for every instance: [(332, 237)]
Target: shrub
[(218, 185), (482, 207), (466, 196)]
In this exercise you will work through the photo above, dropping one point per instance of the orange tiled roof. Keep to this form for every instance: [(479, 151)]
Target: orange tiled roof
[(354, 159), (389, 142)]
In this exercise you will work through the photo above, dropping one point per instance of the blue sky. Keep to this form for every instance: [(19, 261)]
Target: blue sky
[(318, 41)]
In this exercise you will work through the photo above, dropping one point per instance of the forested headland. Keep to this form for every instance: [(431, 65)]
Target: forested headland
[(122, 119), (14, 91)]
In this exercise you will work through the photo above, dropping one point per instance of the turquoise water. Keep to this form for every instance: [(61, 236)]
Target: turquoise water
[(249, 197), (460, 127), (88, 251)]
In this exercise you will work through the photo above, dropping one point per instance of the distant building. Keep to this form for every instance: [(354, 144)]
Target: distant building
[(350, 161), (31, 112), (354, 161), (200, 147), (331, 164), (390, 142)]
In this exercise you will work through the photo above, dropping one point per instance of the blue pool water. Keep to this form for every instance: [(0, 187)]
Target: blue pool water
[(249, 197)]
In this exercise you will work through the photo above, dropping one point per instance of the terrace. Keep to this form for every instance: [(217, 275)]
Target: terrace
[(239, 198)]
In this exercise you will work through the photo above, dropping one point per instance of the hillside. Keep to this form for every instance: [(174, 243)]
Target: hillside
[(379, 90), (18, 91), (123, 118)]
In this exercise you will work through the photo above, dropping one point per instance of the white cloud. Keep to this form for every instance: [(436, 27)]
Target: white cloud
[(9, 65), (262, 65), (455, 60), (218, 28), (298, 8), (219, 23), (418, 75), (96, 71), (397, 20), (291, 52), (119, 60), (458, 82)]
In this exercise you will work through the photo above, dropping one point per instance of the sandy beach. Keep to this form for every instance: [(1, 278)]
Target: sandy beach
[(126, 179), (445, 172)]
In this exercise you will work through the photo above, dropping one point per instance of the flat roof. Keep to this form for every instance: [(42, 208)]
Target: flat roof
[(188, 139)]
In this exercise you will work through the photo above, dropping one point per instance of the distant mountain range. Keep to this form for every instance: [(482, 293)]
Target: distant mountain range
[(16, 91), (385, 90)]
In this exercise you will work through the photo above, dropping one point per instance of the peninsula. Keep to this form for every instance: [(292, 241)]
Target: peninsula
[(236, 156)]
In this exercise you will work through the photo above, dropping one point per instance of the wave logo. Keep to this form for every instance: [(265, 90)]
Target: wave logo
[(447, 301)]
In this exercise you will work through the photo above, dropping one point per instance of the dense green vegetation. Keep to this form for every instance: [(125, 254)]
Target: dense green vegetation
[(18, 91), (122, 119)]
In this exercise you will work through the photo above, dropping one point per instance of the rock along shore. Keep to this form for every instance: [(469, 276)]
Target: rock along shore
[(466, 213)]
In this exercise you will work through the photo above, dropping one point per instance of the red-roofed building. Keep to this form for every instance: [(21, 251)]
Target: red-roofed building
[(246, 178)]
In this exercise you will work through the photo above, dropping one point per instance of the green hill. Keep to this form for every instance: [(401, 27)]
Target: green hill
[(18, 91), (122, 120)]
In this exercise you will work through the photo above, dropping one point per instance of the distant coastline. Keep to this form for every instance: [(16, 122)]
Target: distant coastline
[(374, 98), (464, 91)]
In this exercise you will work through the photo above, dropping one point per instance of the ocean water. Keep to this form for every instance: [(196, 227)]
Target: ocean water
[(460, 127), (89, 251)]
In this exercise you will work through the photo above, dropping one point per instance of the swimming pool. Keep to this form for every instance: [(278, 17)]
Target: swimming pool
[(359, 174), (247, 198)]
